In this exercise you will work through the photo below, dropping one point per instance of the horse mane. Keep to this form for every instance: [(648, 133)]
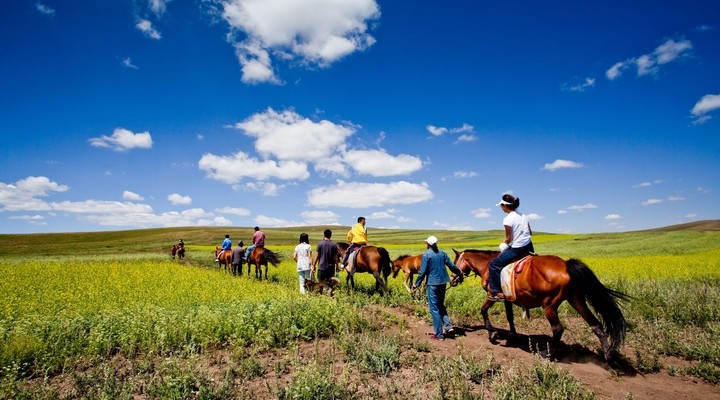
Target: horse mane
[(402, 257), (486, 252)]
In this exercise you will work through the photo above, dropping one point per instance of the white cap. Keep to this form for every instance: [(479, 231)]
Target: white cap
[(431, 240)]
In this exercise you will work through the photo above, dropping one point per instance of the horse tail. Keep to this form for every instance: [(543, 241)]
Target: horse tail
[(605, 301), (386, 262), (272, 257)]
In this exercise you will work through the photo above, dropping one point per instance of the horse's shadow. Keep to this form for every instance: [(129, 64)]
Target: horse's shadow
[(567, 354)]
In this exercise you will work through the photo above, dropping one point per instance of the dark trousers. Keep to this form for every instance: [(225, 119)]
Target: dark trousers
[(506, 257)]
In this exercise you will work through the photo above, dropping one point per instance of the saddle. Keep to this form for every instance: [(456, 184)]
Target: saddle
[(509, 274), (350, 267)]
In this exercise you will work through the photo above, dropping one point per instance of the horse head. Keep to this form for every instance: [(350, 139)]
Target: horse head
[(397, 265)]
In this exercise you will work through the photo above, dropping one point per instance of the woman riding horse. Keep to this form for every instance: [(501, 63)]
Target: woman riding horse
[(547, 281)]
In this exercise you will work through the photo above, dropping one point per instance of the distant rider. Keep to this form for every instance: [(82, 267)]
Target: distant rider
[(357, 236)]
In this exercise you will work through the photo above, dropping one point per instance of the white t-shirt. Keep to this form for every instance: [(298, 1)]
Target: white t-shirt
[(520, 229), (302, 251)]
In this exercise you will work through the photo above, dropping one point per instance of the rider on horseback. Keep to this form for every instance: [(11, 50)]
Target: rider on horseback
[(258, 240), (357, 236), (226, 246), (517, 243)]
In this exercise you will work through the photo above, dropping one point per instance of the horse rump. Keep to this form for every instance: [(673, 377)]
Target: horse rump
[(325, 286)]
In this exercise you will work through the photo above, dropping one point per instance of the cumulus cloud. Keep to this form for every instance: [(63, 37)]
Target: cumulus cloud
[(130, 196), (482, 213), (701, 110), (26, 194), (649, 64), (312, 32), (562, 164), (320, 217), (380, 163), (158, 7), (122, 140), (466, 138), (273, 222), (243, 212), (651, 202), (178, 199), (464, 174), (146, 27), (290, 136), (364, 195), (232, 169), (613, 216)]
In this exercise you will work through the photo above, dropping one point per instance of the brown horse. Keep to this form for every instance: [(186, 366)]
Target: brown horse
[(261, 256), (547, 281), (224, 259), (370, 259), (410, 265)]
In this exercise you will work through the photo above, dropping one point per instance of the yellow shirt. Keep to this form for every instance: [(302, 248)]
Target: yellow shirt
[(358, 234)]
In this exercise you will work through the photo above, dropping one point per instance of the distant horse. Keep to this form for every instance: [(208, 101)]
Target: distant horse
[(173, 251), (410, 265), (261, 256), (370, 259), (224, 259), (180, 252), (547, 281)]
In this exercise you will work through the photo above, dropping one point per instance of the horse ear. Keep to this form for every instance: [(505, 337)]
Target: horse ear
[(457, 253)]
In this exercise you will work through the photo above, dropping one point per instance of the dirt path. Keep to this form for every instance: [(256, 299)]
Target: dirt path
[(587, 367)]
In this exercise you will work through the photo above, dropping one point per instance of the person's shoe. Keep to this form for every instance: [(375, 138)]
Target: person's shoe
[(436, 337), (450, 330), (500, 296)]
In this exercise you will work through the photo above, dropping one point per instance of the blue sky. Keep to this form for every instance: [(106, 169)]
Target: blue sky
[(599, 116)]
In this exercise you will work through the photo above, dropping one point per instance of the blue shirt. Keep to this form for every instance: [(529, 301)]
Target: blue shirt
[(433, 266), (227, 244)]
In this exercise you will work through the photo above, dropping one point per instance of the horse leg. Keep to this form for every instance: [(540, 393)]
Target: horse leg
[(379, 283), (266, 271), (408, 278), (557, 329), (578, 303), (486, 320)]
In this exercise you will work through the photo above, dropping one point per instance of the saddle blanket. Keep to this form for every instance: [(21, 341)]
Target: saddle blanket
[(509, 274)]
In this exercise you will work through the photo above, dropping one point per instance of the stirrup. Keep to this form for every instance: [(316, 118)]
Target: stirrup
[(498, 297)]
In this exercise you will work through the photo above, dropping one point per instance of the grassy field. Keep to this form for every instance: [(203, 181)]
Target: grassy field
[(110, 315)]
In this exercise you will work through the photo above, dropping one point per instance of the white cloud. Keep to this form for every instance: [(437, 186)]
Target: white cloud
[(127, 62), (44, 9), (438, 131), (675, 198), (463, 226), (146, 27), (123, 139), (101, 207), (580, 208), (464, 174), (534, 216), (130, 196), (315, 32), (243, 212), (482, 213), (266, 188), (649, 64), (25, 194), (158, 7), (613, 216), (178, 199), (364, 195), (703, 190), (704, 106), (272, 222), (380, 163), (232, 169), (466, 138), (562, 164), (579, 87), (289, 136), (562, 212), (650, 202), (320, 217)]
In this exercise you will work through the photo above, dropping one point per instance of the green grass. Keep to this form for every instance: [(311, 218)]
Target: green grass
[(90, 298)]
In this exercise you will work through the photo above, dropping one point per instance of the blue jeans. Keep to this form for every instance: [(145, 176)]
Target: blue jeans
[(349, 251), (436, 304), (506, 257), (249, 250), (302, 277)]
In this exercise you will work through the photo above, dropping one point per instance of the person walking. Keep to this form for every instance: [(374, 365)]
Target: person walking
[(432, 269), (357, 236), (517, 244), (326, 254), (237, 256), (258, 240), (302, 255)]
